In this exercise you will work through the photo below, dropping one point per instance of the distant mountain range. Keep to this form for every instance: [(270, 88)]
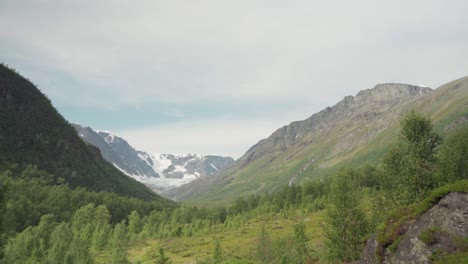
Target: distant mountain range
[(357, 129), (159, 172)]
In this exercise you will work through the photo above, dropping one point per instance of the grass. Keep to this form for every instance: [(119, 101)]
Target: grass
[(238, 243), (430, 236)]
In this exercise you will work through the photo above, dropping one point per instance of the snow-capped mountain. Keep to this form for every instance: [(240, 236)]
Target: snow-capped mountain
[(158, 171)]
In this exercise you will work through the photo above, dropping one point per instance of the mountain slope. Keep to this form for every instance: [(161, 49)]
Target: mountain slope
[(33, 132), (116, 151), (356, 130), (159, 172)]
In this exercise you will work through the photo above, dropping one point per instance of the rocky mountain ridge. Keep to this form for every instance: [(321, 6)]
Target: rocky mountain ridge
[(158, 171), (356, 129), (368, 105)]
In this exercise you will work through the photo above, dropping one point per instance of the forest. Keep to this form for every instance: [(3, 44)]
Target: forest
[(43, 221)]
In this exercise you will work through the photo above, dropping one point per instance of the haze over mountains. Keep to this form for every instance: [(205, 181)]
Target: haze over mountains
[(157, 171)]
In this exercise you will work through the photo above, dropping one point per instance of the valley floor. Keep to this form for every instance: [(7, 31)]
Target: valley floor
[(238, 244)]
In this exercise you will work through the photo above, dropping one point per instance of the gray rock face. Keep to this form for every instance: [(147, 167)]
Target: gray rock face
[(195, 165), (368, 105), (449, 217), (117, 151)]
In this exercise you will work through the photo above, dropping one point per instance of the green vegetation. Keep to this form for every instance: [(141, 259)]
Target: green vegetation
[(346, 141), (347, 221), (431, 235), (326, 219), (60, 203), (33, 132)]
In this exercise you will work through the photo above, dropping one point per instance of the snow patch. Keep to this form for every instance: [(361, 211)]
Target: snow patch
[(213, 166)]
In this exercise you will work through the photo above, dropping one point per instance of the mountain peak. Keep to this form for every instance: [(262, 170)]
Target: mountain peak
[(389, 91), (158, 171)]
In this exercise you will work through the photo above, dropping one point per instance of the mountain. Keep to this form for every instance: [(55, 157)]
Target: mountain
[(357, 129), (159, 172), (33, 132), (116, 151)]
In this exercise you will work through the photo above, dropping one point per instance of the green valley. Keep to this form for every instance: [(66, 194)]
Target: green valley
[(345, 185)]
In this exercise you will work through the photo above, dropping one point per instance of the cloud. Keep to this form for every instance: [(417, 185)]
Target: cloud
[(185, 51), (286, 56)]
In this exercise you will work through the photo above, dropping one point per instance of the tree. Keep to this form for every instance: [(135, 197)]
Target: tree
[(101, 232), (452, 163), (60, 242), (417, 143), (346, 222), (134, 225), (119, 243)]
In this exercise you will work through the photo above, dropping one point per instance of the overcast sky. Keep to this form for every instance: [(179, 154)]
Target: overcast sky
[(215, 77)]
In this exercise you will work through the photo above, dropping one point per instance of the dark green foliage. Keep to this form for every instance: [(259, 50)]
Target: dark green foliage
[(27, 200), (33, 132), (412, 163), (452, 161), (83, 228)]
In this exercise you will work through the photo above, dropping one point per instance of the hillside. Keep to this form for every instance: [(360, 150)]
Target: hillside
[(33, 132), (357, 129), (116, 151), (160, 172)]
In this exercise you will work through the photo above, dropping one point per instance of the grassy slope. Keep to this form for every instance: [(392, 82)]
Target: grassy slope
[(447, 104)]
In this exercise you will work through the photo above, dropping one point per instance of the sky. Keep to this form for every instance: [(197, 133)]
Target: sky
[(214, 76)]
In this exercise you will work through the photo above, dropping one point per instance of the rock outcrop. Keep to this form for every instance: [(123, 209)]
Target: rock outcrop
[(441, 230)]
